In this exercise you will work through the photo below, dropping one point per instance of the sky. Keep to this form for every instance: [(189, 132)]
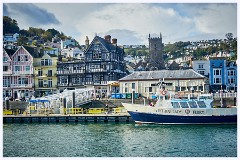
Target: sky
[(130, 23)]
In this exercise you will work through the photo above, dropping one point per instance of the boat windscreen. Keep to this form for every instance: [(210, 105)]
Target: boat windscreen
[(192, 104), (175, 105), (201, 104), (184, 104)]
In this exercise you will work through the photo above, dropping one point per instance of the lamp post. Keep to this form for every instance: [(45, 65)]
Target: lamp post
[(221, 101)]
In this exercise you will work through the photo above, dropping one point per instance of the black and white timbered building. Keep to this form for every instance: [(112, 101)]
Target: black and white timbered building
[(103, 62)]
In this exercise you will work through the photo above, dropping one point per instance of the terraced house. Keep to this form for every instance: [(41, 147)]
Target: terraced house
[(7, 72), (103, 62), (45, 74), (22, 73)]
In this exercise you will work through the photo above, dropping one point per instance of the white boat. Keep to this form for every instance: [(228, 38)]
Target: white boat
[(170, 110)]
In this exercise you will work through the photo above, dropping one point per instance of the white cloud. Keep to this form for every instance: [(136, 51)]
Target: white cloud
[(131, 23), (140, 18), (217, 19)]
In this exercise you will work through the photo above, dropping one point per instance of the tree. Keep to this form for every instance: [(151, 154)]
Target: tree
[(22, 40), (47, 36), (53, 32), (229, 36), (10, 25)]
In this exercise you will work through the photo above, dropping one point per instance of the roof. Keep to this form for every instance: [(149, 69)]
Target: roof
[(33, 52), (167, 74), (10, 52), (110, 47)]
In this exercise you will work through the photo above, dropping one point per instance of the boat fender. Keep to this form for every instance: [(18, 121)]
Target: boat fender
[(187, 111)]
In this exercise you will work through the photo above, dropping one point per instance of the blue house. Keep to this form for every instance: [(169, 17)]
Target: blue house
[(231, 73), (222, 75)]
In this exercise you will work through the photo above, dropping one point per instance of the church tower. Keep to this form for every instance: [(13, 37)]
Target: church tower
[(155, 59)]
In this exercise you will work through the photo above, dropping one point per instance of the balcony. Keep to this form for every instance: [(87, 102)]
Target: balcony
[(40, 64), (6, 85), (22, 85), (7, 72), (21, 72), (70, 72)]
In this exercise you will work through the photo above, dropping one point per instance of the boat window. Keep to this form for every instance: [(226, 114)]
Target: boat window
[(175, 105), (192, 104), (184, 104), (201, 104)]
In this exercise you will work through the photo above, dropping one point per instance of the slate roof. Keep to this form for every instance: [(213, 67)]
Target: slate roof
[(167, 74), (110, 47), (10, 52), (33, 52)]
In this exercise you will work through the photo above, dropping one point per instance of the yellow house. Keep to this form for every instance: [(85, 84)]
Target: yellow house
[(45, 75)]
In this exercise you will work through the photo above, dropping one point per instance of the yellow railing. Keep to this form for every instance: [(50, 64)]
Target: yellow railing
[(73, 110), (95, 110), (7, 112)]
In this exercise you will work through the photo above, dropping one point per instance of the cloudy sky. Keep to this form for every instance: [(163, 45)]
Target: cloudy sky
[(130, 23)]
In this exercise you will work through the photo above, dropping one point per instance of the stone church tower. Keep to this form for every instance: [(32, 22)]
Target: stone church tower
[(155, 58)]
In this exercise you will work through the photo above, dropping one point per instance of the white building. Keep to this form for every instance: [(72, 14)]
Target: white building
[(144, 82), (202, 67), (67, 42), (73, 52)]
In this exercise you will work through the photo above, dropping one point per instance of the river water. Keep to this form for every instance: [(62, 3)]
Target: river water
[(118, 140)]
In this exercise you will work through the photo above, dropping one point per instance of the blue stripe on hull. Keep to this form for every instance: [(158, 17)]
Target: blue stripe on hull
[(174, 119)]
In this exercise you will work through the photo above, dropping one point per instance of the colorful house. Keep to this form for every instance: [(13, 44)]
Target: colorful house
[(45, 74), (22, 73), (7, 72), (223, 74)]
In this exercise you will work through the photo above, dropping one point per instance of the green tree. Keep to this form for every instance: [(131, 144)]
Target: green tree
[(47, 36), (10, 25), (53, 32), (22, 40)]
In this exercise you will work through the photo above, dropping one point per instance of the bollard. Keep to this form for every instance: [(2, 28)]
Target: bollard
[(133, 97), (73, 99), (7, 105), (64, 105)]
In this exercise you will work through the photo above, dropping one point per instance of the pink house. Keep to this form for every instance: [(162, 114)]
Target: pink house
[(7, 72), (22, 83)]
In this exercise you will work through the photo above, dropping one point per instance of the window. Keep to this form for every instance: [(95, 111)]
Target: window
[(22, 81), (201, 104), (150, 89), (39, 72), (126, 90), (26, 58), (133, 85), (5, 59), (184, 104), (40, 83), (217, 72), (5, 68), (18, 58), (17, 68), (49, 82), (217, 80), (200, 66), (192, 104), (201, 72), (27, 68), (231, 72), (175, 105), (49, 72), (231, 80)]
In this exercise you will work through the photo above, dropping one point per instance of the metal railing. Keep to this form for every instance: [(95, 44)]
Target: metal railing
[(224, 95)]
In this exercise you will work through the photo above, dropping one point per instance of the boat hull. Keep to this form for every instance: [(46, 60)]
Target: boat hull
[(177, 119)]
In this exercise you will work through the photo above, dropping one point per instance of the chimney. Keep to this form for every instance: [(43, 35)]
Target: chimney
[(108, 38), (87, 42), (114, 41)]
